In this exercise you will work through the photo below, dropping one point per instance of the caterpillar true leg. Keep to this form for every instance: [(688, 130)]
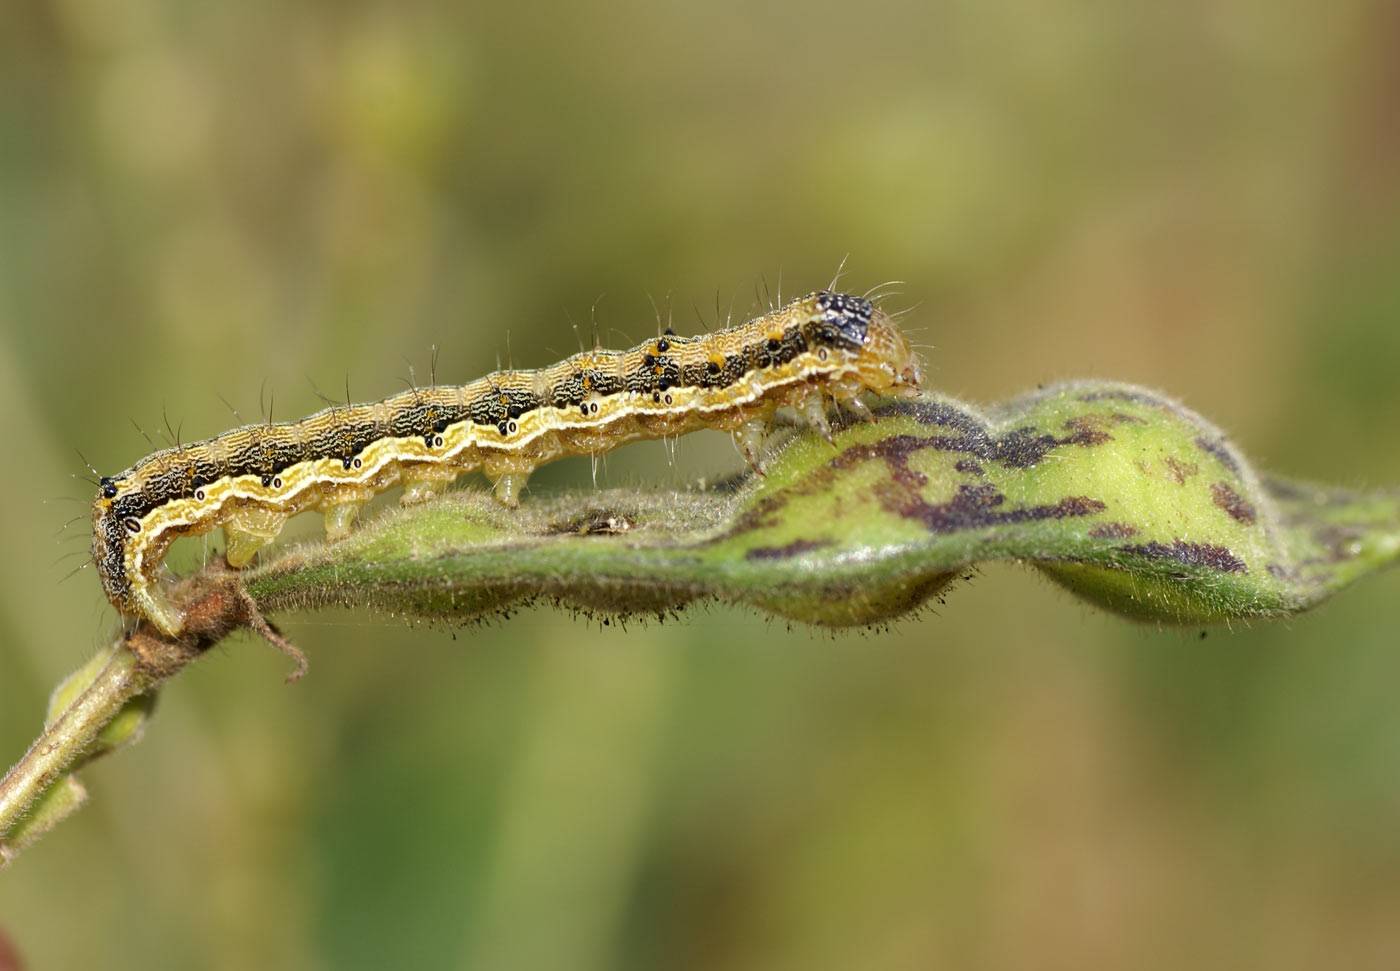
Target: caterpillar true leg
[(858, 408), (813, 412)]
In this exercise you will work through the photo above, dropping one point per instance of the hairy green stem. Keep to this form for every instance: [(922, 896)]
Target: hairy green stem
[(65, 741), (104, 705)]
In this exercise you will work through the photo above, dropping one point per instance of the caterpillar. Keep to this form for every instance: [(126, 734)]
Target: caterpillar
[(252, 479)]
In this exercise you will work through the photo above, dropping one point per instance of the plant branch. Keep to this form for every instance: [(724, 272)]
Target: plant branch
[(104, 705)]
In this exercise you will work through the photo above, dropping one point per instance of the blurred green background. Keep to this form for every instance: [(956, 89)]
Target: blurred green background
[(201, 199)]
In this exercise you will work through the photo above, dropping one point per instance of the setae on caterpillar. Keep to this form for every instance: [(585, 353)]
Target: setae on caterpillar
[(252, 479)]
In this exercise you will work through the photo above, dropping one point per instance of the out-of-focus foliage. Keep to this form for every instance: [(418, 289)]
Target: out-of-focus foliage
[(213, 199)]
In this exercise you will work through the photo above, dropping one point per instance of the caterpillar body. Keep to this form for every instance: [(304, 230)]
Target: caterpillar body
[(249, 481)]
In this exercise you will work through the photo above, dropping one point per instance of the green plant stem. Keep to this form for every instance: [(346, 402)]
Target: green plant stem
[(104, 705), (66, 740)]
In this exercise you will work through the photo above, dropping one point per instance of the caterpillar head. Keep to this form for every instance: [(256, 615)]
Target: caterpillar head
[(882, 357)]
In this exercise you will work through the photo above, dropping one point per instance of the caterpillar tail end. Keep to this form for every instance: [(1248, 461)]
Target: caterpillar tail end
[(163, 615)]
